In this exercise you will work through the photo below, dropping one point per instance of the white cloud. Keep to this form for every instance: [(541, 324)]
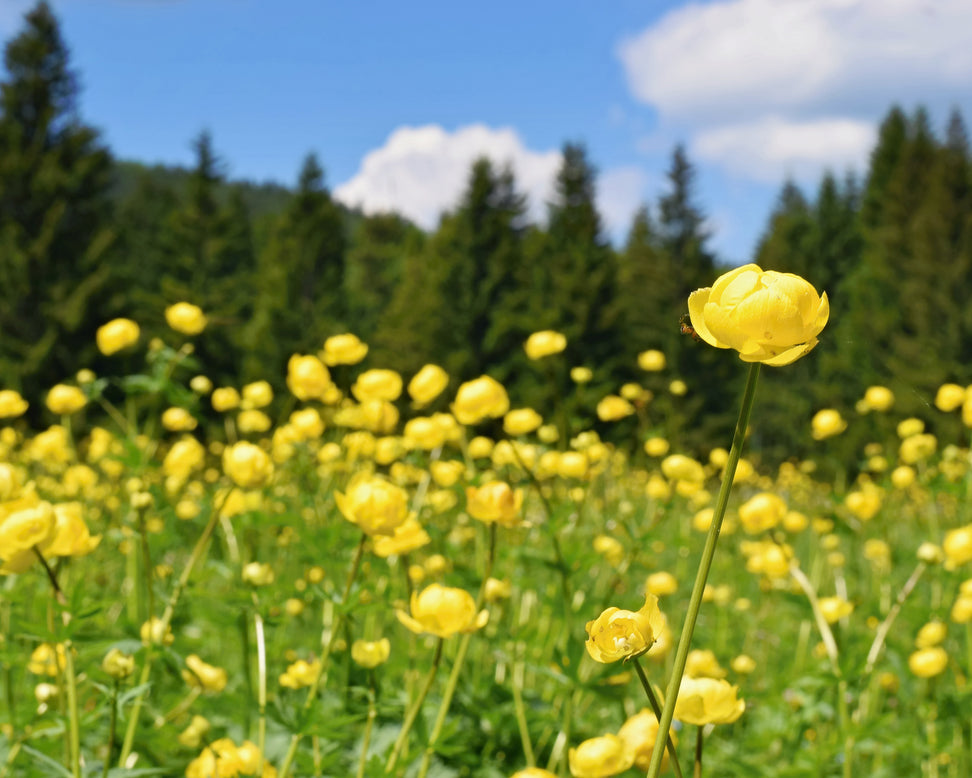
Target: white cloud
[(773, 148), (422, 171), (729, 60), (620, 192)]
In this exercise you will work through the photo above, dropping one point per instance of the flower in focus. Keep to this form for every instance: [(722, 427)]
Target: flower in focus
[(443, 611), (65, 400), (373, 503), (544, 344), (600, 757), (621, 634), (370, 653), (185, 318), (495, 501), (427, 384), (345, 349), (652, 360), (12, 404), (249, 466), (481, 398), (307, 378), (116, 335), (768, 317), (704, 701), (928, 662), (827, 423)]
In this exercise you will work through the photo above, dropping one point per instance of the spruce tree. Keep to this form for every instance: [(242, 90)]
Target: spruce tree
[(54, 212)]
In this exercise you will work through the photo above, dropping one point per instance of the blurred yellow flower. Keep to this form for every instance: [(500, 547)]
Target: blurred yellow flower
[(345, 349), (661, 583), (12, 404), (117, 664), (427, 384), (377, 384), (572, 464), (614, 408), (151, 632), (185, 318), (65, 400), (374, 504), (878, 398), (768, 317), (834, 609), (533, 772), (609, 548), (443, 611), (204, 676), (71, 536), (639, 733), (226, 398), (761, 512), (481, 398), (521, 421), (743, 664), (679, 467), (652, 360), (949, 397), (116, 335), (928, 662), (407, 537), (917, 448), (544, 344), (47, 659), (656, 447), (307, 377), (865, 502), (827, 423), (704, 701), (249, 466), (958, 546), (177, 419), (902, 477), (257, 574), (495, 501), (622, 634), (370, 653), (201, 385), (258, 394), (931, 634), (702, 663), (678, 388), (600, 757), (300, 674), (581, 374)]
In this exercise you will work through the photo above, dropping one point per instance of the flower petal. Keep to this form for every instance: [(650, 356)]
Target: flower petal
[(696, 304)]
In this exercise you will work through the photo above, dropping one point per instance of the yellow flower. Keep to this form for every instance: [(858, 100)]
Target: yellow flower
[(931, 634), (581, 375), (962, 609), (21, 530), (249, 466), (307, 378), (521, 421), (11, 404), (679, 467), (204, 676), (768, 317), (949, 397), (370, 653), (377, 384), (118, 664), (427, 384), (761, 512), (481, 398), (827, 423), (252, 420), (300, 674), (201, 384), (544, 344), (621, 634), (65, 400), (47, 659), (928, 662), (443, 611), (678, 387), (958, 546), (835, 608), (446, 472), (376, 505), (496, 590), (407, 537), (71, 536), (495, 501), (177, 419), (902, 477), (917, 448), (226, 398), (533, 772), (878, 398), (609, 548), (702, 663), (116, 335), (614, 408), (661, 583), (639, 734), (743, 664), (344, 349), (704, 701), (865, 502), (185, 318), (151, 632), (186, 455), (307, 423), (656, 447), (651, 361), (600, 757), (481, 447), (258, 394), (257, 574), (572, 464)]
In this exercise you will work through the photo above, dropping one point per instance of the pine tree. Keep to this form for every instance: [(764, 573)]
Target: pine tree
[(54, 212), (646, 296)]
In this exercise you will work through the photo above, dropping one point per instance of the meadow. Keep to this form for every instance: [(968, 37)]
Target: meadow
[(380, 574)]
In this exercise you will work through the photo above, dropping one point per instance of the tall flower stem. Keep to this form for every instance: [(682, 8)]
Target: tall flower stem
[(708, 553), (699, 737), (653, 700), (321, 679), (416, 707)]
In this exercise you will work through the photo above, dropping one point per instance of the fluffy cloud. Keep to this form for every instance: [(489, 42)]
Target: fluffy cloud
[(773, 148), (422, 171), (804, 77)]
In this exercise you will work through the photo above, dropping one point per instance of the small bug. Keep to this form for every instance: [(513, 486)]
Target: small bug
[(687, 329)]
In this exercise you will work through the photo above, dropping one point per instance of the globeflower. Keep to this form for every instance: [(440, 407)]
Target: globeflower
[(65, 400), (307, 378), (481, 398), (204, 676), (949, 397), (827, 423), (614, 408), (427, 384), (958, 546), (639, 733), (622, 634), (186, 318), (443, 611), (377, 384), (521, 421), (249, 466), (345, 349), (651, 360), (116, 335), (11, 404), (600, 757), (544, 344), (376, 505), (878, 398), (495, 501), (928, 662), (704, 701), (370, 653), (768, 317)]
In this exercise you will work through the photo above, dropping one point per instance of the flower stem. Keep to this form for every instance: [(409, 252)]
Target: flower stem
[(695, 601), (521, 720), (372, 713), (112, 727), (699, 737), (646, 685), (416, 707)]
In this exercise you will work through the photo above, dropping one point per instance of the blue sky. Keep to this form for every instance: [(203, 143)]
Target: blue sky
[(398, 98)]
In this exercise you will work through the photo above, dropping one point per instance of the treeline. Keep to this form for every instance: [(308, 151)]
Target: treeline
[(84, 239)]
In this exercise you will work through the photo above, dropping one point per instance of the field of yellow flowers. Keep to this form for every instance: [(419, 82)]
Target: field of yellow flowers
[(386, 575)]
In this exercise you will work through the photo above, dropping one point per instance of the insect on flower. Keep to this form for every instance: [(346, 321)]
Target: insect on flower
[(686, 328)]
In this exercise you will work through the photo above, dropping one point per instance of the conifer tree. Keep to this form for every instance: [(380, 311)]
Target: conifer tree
[(54, 212), (646, 295)]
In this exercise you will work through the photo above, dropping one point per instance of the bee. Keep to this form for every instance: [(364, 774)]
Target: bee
[(686, 328)]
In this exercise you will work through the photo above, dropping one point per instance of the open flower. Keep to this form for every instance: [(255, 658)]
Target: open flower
[(620, 634), (376, 505), (768, 317), (443, 611), (600, 757), (704, 701)]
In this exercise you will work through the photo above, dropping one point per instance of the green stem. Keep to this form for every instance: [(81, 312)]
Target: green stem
[(521, 720), (261, 684), (695, 601), (112, 728), (366, 738), (322, 674), (699, 736), (646, 685), (416, 707)]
